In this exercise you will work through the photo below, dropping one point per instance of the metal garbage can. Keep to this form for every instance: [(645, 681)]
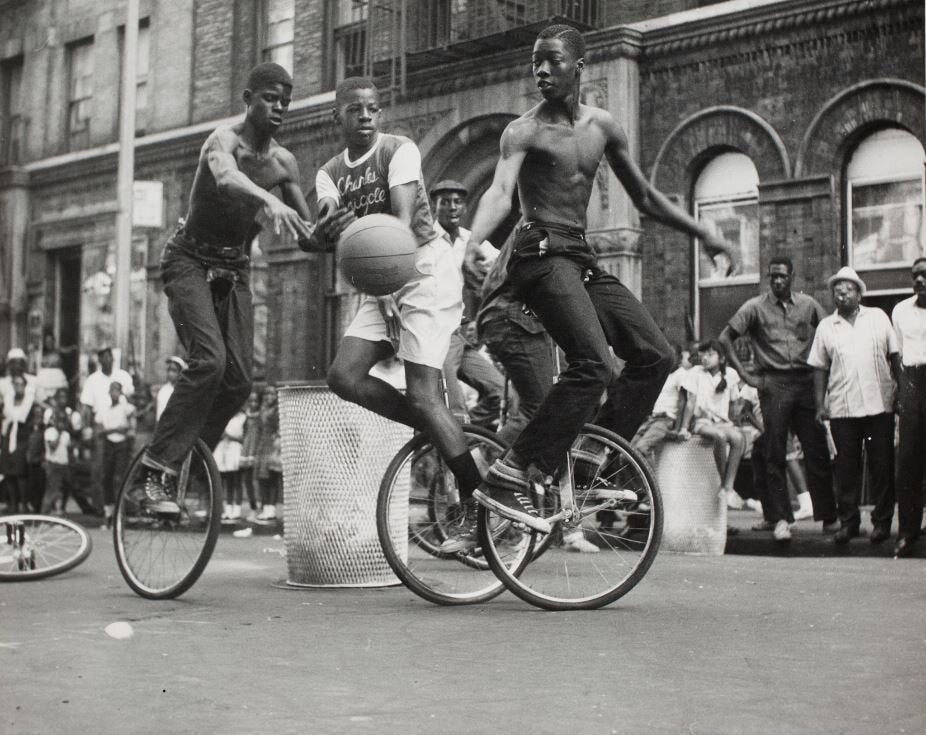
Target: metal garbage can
[(334, 456), (695, 512)]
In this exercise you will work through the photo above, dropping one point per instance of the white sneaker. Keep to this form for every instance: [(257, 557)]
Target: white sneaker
[(806, 507), (268, 513), (782, 531), (243, 532), (226, 512), (754, 504), (734, 501), (575, 541), (235, 513)]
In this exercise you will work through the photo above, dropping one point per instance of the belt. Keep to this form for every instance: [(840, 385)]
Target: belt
[(207, 249)]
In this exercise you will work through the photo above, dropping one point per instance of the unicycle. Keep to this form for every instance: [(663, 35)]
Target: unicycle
[(605, 490), (162, 555), (37, 546), (417, 506)]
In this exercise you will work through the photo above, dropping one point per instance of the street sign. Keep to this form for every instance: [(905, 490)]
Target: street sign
[(148, 204)]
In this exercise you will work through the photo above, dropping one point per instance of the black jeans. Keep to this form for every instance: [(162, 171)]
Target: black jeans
[(911, 457), (787, 402), (214, 322), (876, 433), (585, 309)]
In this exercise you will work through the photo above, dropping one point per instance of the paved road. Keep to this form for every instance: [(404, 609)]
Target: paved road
[(733, 644)]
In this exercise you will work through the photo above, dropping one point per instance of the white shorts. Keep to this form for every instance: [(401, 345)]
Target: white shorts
[(431, 306)]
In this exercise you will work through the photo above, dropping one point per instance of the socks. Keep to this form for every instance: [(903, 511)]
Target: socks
[(467, 474)]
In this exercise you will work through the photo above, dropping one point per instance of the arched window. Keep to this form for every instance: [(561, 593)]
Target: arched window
[(886, 201), (726, 200)]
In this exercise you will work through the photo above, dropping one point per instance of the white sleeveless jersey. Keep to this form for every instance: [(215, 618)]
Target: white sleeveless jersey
[(364, 184)]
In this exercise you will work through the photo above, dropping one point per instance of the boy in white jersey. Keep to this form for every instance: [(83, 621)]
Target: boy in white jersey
[(381, 173)]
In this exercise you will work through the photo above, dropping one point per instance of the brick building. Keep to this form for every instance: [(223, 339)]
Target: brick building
[(795, 126)]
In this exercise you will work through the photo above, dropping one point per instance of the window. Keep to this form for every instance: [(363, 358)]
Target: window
[(350, 38), (886, 201), (278, 25), (80, 93), (726, 199), (142, 66), (12, 120)]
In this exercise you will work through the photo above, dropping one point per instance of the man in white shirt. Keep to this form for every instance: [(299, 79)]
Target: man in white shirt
[(909, 317), (16, 365), (464, 361), (94, 397), (857, 364), (115, 425)]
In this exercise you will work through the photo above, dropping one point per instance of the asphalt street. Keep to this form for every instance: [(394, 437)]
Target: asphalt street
[(730, 644)]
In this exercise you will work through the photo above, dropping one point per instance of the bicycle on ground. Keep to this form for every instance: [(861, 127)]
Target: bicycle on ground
[(34, 546), (161, 555)]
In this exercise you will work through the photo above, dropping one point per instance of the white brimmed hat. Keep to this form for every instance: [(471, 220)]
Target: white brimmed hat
[(15, 354), (178, 361), (847, 274)]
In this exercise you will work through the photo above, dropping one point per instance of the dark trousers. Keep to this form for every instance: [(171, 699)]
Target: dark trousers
[(911, 457), (585, 310), (787, 402), (528, 361), (214, 322), (116, 458), (463, 362), (876, 434)]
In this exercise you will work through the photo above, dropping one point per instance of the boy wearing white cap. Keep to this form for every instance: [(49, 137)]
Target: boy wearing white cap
[(856, 367)]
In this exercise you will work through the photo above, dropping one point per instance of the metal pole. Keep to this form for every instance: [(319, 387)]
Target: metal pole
[(124, 185)]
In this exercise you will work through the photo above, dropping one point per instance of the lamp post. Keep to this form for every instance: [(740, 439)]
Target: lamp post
[(124, 185)]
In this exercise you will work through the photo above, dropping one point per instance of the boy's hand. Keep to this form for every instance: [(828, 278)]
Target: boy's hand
[(332, 222)]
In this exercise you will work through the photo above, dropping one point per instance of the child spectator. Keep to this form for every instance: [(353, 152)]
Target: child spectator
[(249, 444), (269, 462), (116, 425), (35, 458), (228, 459), (654, 431), (712, 389), (57, 440), (174, 366)]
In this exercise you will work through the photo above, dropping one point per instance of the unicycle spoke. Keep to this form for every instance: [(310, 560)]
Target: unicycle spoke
[(607, 544), (418, 508), (162, 555)]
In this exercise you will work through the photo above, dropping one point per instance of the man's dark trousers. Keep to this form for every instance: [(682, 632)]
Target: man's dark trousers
[(585, 309), (215, 325), (787, 402), (877, 435), (911, 457)]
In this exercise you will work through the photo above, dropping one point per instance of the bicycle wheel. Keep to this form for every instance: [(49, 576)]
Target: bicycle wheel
[(37, 546), (618, 508), (161, 556), (418, 502)]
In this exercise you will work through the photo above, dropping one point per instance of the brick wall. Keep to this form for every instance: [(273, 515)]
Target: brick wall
[(213, 31)]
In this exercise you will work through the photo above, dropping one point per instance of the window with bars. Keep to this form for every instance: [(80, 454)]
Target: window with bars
[(350, 38), (278, 24), (13, 121), (80, 93)]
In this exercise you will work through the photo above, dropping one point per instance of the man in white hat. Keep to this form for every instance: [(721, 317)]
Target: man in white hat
[(16, 365), (857, 365)]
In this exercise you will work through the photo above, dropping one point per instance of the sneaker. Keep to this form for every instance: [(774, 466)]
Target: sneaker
[(159, 486), (575, 541), (512, 504), (243, 532), (507, 476), (782, 531), (734, 500), (464, 536), (756, 505)]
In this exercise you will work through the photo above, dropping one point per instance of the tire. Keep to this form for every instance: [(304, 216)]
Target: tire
[(413, 516), (160, 556), (559, 579), (51, 546)]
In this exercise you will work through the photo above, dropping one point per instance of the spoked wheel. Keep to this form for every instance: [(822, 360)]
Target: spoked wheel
[(37, 546), (418, 506), (617, 508), (162, 555)]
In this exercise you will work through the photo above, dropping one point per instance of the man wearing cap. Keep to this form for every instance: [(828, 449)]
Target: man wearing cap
[(464, 361), (856, 366), (909, 317), (781, 326), (174, 366)]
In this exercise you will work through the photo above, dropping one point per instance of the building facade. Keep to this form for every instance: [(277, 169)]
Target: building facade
[(794, 126)]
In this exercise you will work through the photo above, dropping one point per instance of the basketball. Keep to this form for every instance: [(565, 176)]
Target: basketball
[(376, 254)]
